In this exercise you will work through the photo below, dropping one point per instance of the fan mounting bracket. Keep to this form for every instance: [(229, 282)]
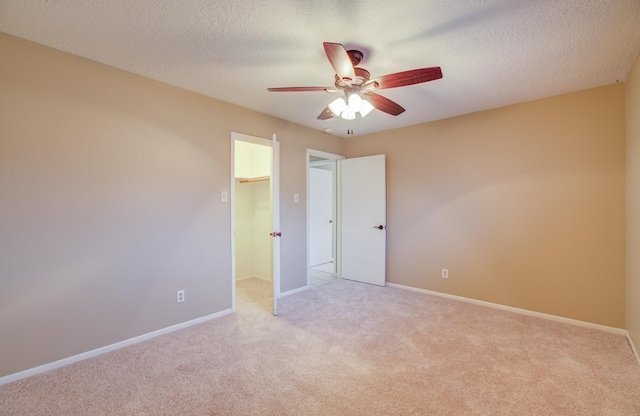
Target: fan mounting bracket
[(355, 56)]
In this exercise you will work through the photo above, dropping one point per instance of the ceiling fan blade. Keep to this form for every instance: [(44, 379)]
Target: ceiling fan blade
[(326, 114), (299, 89), (401, 79), (384, 104), (339, 60)]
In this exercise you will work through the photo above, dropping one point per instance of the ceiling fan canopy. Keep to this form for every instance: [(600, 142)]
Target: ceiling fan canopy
[(358, 87)]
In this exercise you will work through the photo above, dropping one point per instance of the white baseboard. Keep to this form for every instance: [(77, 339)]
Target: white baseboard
[(619, 331), (252, 277), (103, 350), (633, 347), (294, 291)]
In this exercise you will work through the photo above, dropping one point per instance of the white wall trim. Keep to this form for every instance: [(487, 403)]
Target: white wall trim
[(619, 331), (103, 350), (294, 291), (253, 276), (633, 347)]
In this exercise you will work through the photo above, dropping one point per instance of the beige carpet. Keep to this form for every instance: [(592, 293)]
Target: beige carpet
[(348, 349)]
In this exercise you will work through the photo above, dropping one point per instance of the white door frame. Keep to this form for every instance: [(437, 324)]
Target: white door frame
[(318, 153), (275, 206)]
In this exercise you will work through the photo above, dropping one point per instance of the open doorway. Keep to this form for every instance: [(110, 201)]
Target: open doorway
[(358, 232), (252, 202), (322, 217)]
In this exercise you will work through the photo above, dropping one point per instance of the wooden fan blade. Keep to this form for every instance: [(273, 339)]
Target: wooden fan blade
[(326, 114), (299, 89), (401, 79), (384, 104), (339, 60)]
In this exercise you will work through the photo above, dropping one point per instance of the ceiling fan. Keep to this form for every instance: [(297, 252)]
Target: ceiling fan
[(358, 87)]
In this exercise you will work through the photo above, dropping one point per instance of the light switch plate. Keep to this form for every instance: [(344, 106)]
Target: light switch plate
[(223, 196), (296, 198)]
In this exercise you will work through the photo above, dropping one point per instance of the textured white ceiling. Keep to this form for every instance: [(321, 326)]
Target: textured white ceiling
[(492, 52)]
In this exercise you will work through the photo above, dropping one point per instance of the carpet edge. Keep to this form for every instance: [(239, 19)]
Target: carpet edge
[(107, 348), (605, 328)]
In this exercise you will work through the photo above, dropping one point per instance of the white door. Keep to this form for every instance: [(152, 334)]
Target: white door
[(321, 219), (363, 219), (275, 206)]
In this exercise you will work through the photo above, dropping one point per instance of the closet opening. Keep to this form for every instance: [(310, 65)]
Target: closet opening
[(252, 225)]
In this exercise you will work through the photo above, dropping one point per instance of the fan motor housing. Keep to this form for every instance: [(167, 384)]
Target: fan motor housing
[(362, 76)]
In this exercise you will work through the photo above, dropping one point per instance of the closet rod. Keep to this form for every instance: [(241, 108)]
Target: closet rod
[(262, 178)]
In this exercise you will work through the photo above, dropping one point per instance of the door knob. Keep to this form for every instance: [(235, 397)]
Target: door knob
[(379, 227)]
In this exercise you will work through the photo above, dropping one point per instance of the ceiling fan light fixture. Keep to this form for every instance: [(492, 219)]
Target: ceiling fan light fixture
[(347, 114), (337, 106), (353, 81), (355, 102), (366, 108)]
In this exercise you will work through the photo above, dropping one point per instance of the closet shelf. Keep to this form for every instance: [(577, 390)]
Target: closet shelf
[(261, 178)]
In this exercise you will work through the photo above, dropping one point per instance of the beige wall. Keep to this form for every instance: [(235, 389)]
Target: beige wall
[(525, 205), (109, 202), (633, 203)]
